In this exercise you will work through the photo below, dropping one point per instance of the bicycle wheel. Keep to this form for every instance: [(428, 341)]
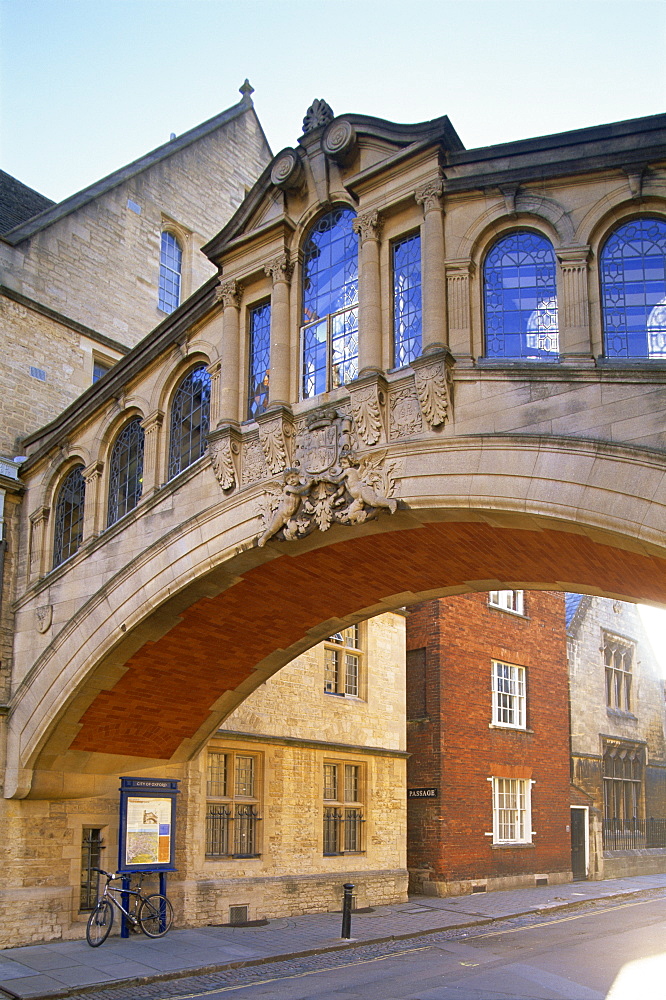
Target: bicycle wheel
[(155, 915), (99, 924)]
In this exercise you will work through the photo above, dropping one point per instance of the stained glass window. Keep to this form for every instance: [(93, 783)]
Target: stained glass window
[(330, 303), (171, 262), (126, 471), (69, 516), (407, 314), (259, 360), (520, 297), (190, 414), (633, 290)]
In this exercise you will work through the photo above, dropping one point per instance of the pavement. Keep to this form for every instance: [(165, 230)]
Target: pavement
[(72, 968)]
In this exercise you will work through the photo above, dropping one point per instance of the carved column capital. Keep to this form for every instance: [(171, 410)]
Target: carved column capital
[(40, 516), (152, 422), (368, 226), (430, 195), (93, 472), (280, 269), (229, 293), (573, 257)]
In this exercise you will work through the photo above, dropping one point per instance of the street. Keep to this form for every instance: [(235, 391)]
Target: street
[(617, 953)]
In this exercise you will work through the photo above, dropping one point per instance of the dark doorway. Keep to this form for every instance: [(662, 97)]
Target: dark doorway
[(578, 844)]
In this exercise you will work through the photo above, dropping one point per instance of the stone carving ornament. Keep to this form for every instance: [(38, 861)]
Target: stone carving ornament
[(366, 407), (222, 454), (405, 414), (432, 388), (330, 484), (44, 617), (319, 113)]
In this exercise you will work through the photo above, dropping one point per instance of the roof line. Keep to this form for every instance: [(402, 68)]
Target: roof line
[(76, 201)]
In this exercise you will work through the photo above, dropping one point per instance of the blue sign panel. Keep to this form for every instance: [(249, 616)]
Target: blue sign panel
[(147, 829)]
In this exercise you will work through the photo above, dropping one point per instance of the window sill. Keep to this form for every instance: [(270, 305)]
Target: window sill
[(618, 713), (508, 611), (233, 857), (509, 729), (512, 846)]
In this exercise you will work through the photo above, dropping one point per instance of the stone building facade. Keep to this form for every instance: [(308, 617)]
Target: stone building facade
[(321, 802), (618, 746), (487, 733)]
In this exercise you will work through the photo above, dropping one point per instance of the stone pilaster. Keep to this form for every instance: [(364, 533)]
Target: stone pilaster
[(434, 279), (369, 228), (39, 521), (458, 276), (152, 452), (573, 305), (225, 402), (93, 514), (280, 270)]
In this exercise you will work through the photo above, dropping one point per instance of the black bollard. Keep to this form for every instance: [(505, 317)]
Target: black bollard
[(347, 910)]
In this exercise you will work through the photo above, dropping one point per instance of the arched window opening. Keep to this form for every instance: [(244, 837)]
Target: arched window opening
[(259, 360), (69, 516), (126, 471), (330, 303), (520, 298), (190, 415), (171, 263), (407, 312), (633, 290)]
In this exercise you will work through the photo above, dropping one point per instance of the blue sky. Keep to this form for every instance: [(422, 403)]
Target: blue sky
[(88, 85)]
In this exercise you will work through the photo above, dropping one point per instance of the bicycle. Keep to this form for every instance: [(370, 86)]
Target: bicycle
[(153, 914)]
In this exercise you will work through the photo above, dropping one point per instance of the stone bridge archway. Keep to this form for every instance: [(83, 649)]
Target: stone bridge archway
[(143, 669)]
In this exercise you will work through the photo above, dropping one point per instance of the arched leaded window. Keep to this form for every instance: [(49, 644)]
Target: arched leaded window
[(126, 471), (259, 360), (520, 298), (69, 516), (330, 303), (633, 290), (190, 415), (171, 265)]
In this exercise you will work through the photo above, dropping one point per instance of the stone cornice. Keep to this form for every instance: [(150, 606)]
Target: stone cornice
[(237, 736)]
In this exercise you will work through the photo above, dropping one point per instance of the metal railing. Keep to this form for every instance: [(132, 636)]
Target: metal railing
[(633, 834)]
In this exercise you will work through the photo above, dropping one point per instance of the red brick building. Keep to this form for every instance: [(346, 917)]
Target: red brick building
[(488, 730)]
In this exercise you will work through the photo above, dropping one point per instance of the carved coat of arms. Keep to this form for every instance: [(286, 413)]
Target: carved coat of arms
[(328, 484)]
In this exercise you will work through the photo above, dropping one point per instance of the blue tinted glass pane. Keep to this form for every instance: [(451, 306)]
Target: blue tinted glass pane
[(520, 298), (190, 415), (259, 361), (171, 259), (69, 511), (344, 341), (633, 290), (315, 354), (126, 471), (407, 311)]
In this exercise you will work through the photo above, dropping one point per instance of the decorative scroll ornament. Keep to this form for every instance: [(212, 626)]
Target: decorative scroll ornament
[(44, 616), (287, 170), (319, 113), (330, 484), (222, 453), (274, 437), (366, 407), (433, 390), (339, 141)]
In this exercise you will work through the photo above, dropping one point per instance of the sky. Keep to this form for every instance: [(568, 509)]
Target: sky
[(87, 86)]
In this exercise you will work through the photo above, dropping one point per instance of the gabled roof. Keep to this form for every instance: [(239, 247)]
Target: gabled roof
[(18, 202), (54, 212)]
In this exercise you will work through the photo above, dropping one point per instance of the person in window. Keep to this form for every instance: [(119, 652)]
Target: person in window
[(260, 396)]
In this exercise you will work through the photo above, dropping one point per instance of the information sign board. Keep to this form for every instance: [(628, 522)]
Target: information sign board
[(147, 828)]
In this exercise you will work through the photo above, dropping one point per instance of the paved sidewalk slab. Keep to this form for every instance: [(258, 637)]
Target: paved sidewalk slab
[(70, 968)]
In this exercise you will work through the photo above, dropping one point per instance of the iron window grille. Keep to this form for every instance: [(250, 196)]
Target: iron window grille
[(343, 820), (259, 359), (509, 701), (507, 600), (91, 858), (407, 309), (342, 662), (69, 511), (190, 420), (520, 298), (171, 264), (329, 334), (126, 471), (512, 815), (231, 820), (633, 290), (618, 662)]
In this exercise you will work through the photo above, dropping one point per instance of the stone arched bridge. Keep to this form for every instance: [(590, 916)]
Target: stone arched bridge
[(327, 504)]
